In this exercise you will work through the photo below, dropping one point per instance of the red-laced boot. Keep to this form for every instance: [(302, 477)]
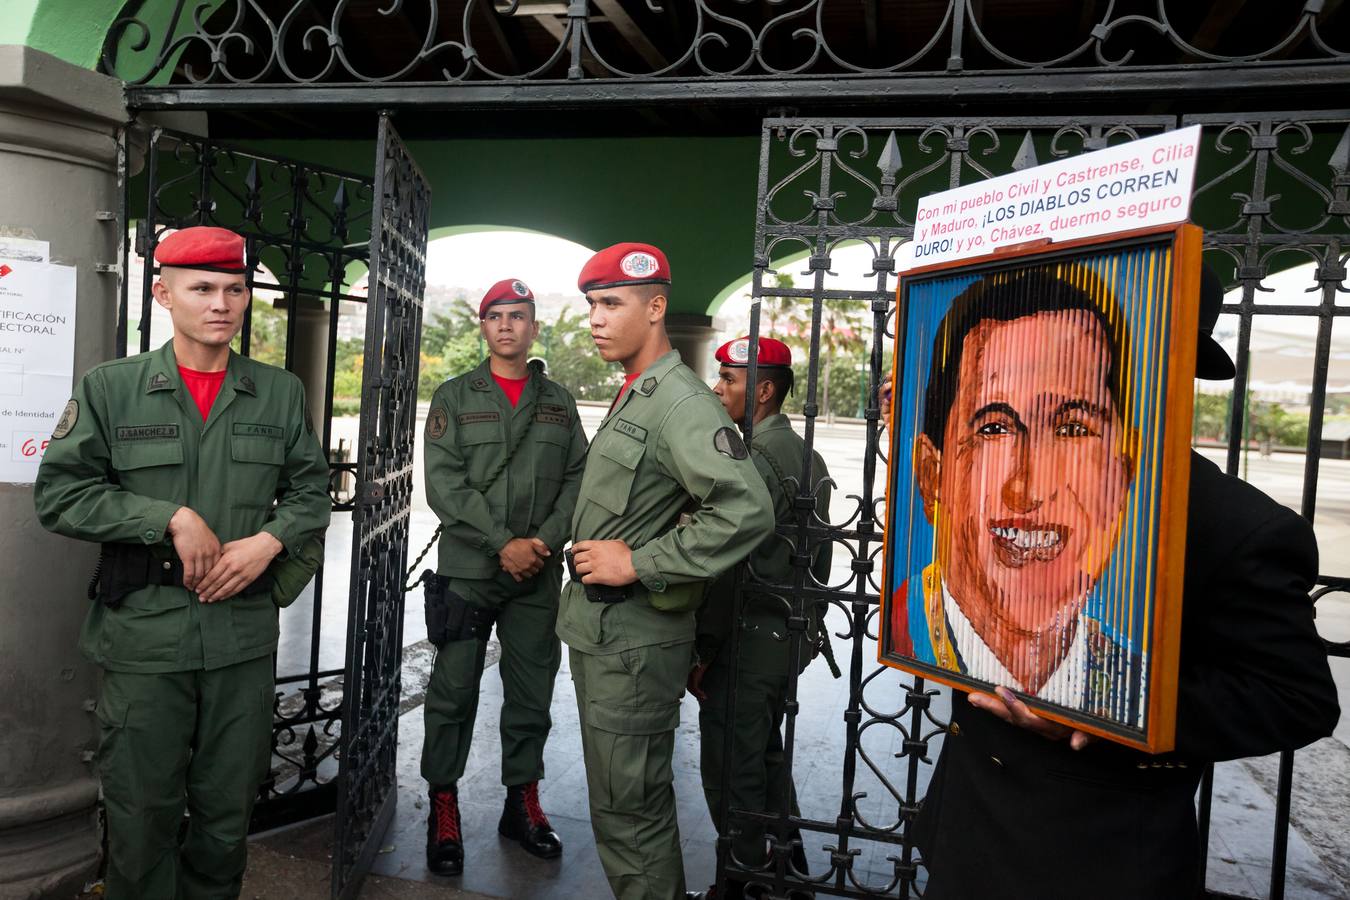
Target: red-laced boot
[(524, 821), (445, 845)]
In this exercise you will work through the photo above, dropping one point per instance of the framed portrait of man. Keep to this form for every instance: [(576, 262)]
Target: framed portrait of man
[(1037, 485)]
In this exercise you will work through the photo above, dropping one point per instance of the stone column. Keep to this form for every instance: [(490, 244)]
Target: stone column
[(692, 335), (310, 362), (58, 168)]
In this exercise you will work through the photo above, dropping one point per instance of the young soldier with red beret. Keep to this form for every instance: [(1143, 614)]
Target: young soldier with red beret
[(199, 472), (504, 455), (758, 779), (668, 501)]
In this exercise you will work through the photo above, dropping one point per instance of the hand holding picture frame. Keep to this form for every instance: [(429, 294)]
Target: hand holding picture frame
[(1036, 496)]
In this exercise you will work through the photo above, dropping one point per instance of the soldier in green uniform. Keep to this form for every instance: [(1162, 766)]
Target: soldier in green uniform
[(669, 500), (759, 780), (197, 469), (504, 456)]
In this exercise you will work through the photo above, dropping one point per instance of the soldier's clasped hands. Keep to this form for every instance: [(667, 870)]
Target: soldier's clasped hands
[(524, 557)]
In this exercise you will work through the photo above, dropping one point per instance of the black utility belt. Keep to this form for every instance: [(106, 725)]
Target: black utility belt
[(597, 593), (126, 568)]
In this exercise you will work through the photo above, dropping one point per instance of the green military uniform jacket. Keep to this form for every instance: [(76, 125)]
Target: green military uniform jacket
[(471, 426), (131, 449), (776, 450), (667, 448)]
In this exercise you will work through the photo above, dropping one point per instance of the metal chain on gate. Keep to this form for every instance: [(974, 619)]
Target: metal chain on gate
[(488, 483)]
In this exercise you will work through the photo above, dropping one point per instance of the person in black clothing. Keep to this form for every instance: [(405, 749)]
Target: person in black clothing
[(1023, 807)]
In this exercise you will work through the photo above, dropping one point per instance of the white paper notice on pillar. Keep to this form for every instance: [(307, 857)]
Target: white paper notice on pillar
[(1138, 184), (37, 360)]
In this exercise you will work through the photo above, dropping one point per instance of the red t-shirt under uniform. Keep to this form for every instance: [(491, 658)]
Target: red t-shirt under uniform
[(627, 383), (511, 387), (203, 386)]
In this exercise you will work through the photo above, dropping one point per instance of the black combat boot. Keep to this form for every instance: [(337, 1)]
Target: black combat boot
[(445, 845), (523, 821)]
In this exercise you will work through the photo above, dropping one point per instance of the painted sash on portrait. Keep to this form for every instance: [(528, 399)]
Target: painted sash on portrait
[(1038, 474)]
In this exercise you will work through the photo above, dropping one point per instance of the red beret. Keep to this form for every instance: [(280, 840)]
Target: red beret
[(624, 264), (771, 353), (202, 247), (508, 290)]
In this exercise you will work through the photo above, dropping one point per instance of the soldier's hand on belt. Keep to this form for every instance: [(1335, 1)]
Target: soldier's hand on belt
[(241, 563), (604, 562), (521, 557), (195, 543)]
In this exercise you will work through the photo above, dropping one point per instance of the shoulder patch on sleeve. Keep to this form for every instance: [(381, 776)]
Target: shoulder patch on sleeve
[(437, 422), (727, 442), (69, 416)]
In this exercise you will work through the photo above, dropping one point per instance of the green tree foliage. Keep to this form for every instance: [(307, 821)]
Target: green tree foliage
[(845, 333), (1211, 416)]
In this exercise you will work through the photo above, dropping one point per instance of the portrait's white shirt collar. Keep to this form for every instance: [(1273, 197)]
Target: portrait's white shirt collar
[(1065, 684)]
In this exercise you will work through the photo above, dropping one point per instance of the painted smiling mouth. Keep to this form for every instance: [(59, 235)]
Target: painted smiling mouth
[(1019, 543)]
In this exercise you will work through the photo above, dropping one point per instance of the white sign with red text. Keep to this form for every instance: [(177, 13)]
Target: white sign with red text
[(1139, 184), (37, 360)]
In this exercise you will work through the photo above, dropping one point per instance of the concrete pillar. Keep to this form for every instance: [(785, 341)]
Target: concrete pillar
[(692, 335), (58, 157), (310, 362)]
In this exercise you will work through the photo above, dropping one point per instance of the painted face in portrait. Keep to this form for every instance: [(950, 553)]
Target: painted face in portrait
[(1027, 491)]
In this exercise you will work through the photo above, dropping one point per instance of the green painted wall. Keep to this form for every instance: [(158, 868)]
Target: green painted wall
[(692, 197), (72, 30)]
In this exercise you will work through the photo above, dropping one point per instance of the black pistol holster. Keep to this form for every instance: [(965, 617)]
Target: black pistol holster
[(123, 569), (596, 593), (449, 616)]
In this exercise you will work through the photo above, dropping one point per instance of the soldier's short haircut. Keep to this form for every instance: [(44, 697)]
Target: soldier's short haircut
[(1005, 297), (781, 378)]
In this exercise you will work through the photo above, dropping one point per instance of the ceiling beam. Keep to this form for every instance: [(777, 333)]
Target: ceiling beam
[(631, 32)]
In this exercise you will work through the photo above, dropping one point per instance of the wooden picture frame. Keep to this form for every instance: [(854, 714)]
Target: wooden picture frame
[(1036, 490)]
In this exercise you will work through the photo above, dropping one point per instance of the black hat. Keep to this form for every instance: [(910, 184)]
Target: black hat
[(1212, 362)]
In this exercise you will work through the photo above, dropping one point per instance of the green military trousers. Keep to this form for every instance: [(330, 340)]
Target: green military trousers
[(758, 779), (526, 616), (629, 704), (198, 740)]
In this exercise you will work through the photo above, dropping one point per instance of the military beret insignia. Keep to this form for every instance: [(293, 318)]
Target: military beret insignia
[(157, 381), (437, 422), (520, 289), (648, 385), (729, 443), (69, 416)]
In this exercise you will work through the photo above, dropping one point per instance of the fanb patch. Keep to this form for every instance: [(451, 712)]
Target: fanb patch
[(247, 384), (158, 381), (552, 414), (309, 420), (153, 432), (69, 416), (648, 385), (437, 422), (623, 426), (476, 418), (251, 429), (729, 443)]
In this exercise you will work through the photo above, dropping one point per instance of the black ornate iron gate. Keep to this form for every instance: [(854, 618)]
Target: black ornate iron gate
[(304, 226), (1264, 198), (367, 789), (335, 729)]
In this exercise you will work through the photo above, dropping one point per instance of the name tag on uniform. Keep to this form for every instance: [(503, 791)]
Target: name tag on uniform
[(551, 414), (623, 426), (475, 418), (146, 433), (251, 429)]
